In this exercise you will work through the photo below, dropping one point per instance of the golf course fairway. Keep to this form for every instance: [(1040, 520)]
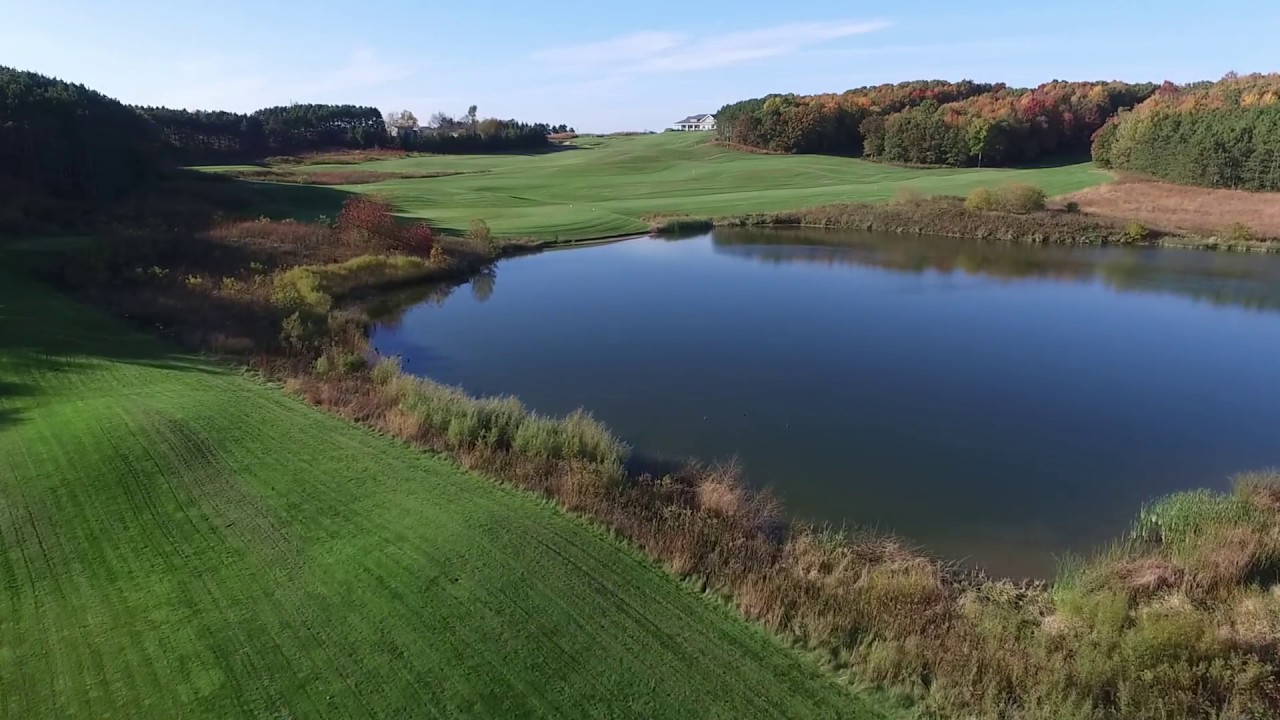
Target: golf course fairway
[(606, 186)]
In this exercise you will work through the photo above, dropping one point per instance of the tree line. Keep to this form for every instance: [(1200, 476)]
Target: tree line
[(1224, 134), (444, 133), (63, 140), (203, 136), (933, 122), (196, 136)]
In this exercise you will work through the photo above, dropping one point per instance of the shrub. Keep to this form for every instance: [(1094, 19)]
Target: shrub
[(1135, 232), (315, 287), (298, 332), (350, 362), (1072, 207), (539, 437), (480, 232), (364, 220), (438, 257), (908, 197), (1020, 199), (299, 289), (322, 366), (680, 225), (419, 239), (586, 438), (1238, 233), (387, 370), (980, 198)]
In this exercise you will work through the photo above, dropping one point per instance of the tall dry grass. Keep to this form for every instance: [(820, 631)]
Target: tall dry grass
[(1181, 621), (1181, 209)]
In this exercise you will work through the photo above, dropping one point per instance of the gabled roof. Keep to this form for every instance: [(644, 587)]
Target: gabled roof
[(696, 119)]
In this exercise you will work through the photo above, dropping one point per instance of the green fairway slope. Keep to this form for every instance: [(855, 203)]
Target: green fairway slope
[(603, 186), (180, 541)]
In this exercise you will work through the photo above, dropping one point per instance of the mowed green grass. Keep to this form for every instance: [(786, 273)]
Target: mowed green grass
[(604, 186), (177, 540)]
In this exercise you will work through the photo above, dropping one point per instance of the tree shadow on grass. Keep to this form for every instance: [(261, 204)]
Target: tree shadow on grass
[(45, 336), (1056, 160), (204, 198), (11, 394)]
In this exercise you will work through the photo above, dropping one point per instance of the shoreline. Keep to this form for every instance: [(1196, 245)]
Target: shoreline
[(943, 216), (884, 612), (1087, 230)]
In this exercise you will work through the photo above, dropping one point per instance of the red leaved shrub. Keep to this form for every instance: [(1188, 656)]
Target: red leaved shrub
[(419, 239), (367, 221)]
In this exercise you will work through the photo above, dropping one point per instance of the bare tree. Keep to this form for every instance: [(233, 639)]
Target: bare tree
[(404, 119)]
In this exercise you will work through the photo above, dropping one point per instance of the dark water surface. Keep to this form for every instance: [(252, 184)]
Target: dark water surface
[(1003, 404)]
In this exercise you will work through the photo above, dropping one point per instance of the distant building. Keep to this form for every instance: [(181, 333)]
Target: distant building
[(406, 131), (697, 122)]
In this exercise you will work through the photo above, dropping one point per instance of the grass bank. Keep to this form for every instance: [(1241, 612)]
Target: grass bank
[(181, 540)]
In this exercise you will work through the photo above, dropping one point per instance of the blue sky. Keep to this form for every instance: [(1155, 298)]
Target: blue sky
[(610, 66)]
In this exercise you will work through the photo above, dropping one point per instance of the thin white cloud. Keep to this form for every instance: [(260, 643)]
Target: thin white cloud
[(627, 48), (666, 52)]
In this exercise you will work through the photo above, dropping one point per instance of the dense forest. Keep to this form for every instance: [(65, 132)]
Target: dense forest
[(213, 135), (933, 122), (65, 141), (1223, 134)]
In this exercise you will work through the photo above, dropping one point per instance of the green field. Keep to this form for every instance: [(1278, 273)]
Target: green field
[(182, 541), (603, 186)]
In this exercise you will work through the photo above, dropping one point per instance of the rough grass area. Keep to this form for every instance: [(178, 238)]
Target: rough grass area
[(604, 187), (177, 540), (1182, 209)]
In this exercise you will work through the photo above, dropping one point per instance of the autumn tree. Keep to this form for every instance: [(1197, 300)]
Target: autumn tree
[(1223, 134), (932, 122)]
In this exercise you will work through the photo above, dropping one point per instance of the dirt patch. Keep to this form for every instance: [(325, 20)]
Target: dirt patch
[(1182, 209)]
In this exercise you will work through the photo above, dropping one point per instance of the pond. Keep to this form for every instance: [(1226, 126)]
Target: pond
[(998, 404)]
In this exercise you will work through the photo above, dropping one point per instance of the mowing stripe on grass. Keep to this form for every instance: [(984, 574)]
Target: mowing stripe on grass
[(179, 540), (604, 186)]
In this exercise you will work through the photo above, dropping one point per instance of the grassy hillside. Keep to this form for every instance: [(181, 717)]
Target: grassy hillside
[(178, 540), (604, 186)]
